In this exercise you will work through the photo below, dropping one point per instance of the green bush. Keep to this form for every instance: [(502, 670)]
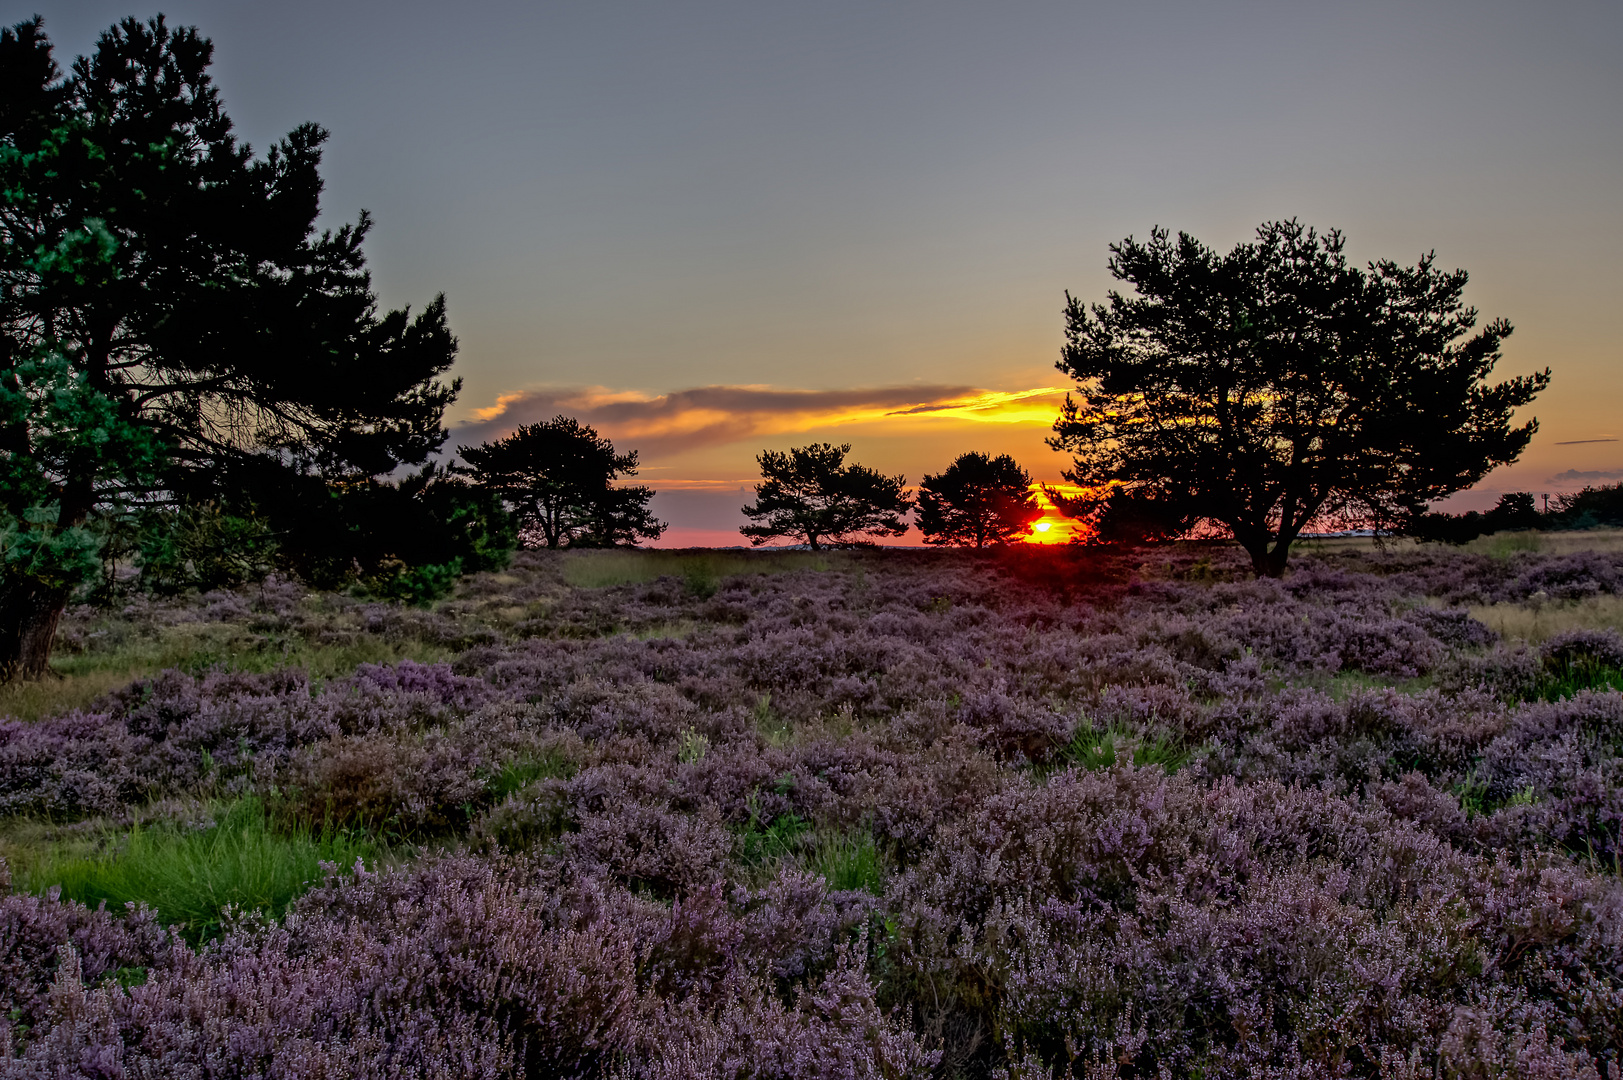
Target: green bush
[(202, 545)]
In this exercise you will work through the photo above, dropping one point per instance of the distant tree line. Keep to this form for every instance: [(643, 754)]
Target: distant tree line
[(813, 496), (1591, 508)]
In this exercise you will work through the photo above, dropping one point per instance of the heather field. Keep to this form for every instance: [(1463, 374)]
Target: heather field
[(1048, 813)]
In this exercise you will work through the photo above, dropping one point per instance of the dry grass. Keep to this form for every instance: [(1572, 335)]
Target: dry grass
[(1534, 623), (1499, 545), (78, 679), (602, 569)]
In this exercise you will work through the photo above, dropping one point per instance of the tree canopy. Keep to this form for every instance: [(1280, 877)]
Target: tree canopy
[(173, 285), (559, 476), (977, 501), (1280, 384), (811, 495)]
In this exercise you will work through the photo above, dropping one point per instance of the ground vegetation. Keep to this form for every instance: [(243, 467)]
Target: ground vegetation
[(868, 813)]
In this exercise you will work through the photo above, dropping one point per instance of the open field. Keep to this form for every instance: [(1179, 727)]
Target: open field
[(787, 814)]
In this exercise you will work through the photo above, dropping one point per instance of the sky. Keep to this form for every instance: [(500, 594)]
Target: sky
[(715, 228)]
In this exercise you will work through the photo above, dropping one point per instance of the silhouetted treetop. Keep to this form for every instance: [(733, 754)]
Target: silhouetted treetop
[(559, 477), (811, 495), (1279, 384), (977, 501)]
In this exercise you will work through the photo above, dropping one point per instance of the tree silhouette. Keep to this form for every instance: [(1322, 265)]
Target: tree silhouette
[(559, 477), (810, 494), (977, 501), (1278, 384), (172, 286)]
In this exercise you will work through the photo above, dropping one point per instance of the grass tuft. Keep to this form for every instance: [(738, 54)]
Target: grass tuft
[(518, 773), (850, 863), (1102, 748), (189, 874)]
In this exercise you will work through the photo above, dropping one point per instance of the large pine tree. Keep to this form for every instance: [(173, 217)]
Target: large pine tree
[(174, 285)]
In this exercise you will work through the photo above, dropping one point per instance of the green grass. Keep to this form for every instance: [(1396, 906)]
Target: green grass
[(850, 863), (1568, 679), (702, 572), (1505, 544), (1344, 684), (763, 843), (1101, 748), (190, 874), (520, 772)]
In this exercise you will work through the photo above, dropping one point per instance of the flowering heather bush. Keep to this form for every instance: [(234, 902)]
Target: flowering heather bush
[(915, 814)]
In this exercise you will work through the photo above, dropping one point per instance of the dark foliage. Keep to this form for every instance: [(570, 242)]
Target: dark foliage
[(176, 284), (1593, 507), (1277, 384), (558, 477), (811, 495), (978, 501)]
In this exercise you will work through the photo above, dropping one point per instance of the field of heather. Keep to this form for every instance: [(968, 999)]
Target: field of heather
[(872, 814)]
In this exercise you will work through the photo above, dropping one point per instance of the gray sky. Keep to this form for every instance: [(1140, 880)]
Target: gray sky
[(650, 198)]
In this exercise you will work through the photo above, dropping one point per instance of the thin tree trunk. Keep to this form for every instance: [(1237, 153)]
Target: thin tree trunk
[(29, 615)]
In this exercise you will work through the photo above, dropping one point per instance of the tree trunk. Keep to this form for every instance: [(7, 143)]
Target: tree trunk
[(1266, 563), (29, 615), (1277, 557)]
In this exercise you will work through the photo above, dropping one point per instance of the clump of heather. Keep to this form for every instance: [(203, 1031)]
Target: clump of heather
[(908, 814)]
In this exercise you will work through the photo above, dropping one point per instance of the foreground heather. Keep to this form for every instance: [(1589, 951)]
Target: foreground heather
[(907, 815)]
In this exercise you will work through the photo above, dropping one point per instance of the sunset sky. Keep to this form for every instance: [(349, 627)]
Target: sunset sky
[(713, 228)]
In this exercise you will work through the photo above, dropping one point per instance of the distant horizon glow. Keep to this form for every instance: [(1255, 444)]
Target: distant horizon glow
[(718, 227)]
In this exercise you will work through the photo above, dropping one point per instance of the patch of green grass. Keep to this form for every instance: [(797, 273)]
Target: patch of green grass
[(760, 842), (1101, 748), (702, 572), (1344, 684), (520, 772), (189, 874), (850, 863), (1503, 545), (1568, 679)]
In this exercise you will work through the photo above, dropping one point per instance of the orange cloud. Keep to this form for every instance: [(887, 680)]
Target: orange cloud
[(665, 424)]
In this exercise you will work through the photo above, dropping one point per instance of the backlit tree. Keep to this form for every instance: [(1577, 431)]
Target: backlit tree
[(977, 501), (811, 495), (168, 288), (559, 477), (1279, 384)]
